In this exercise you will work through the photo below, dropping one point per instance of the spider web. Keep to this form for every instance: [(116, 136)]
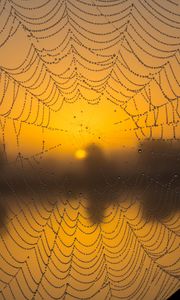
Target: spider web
[(126, 52)]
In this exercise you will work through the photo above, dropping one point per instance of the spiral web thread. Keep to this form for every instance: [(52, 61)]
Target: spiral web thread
[(128, 53)]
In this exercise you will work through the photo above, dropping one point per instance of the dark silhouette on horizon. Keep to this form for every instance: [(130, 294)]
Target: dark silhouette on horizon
[(152, 176)]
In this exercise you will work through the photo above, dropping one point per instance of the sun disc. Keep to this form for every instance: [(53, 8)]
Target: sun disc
[(81, 154)]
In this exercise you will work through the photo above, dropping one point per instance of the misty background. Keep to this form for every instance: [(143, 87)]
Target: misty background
[(151, 175)]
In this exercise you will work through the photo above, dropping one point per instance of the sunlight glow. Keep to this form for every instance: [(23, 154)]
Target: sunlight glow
[(81, 154)]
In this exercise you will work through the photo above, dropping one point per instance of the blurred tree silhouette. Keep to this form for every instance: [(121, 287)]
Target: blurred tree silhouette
[(155, 181)]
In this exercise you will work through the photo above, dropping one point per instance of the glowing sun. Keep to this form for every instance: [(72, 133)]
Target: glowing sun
[(81, 154)]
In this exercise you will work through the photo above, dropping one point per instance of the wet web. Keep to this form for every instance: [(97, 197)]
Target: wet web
[(126, 52)]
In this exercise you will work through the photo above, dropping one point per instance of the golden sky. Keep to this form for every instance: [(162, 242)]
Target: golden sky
[(75, 73)]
